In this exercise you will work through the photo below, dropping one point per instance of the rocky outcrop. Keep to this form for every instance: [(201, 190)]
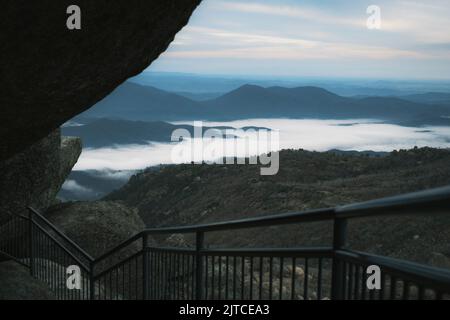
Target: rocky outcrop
[(49, 73), (16, 283), (69, 153), (35, 176)]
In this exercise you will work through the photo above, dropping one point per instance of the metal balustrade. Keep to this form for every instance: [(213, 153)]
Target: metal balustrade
[(200, 272)]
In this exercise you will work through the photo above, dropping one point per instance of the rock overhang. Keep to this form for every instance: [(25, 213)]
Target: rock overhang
[(49, 73)]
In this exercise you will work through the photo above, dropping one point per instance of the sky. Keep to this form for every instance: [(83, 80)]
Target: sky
[(310, 38)]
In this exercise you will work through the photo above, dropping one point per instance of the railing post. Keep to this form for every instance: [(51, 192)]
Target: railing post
[(339, 239), (31, 240), (145, 267), (91, 281), (200, 237)]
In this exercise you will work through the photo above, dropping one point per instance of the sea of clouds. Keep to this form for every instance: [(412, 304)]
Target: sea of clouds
[(314, 135)]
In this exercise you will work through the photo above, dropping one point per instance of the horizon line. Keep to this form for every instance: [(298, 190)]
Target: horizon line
[(287, 77)]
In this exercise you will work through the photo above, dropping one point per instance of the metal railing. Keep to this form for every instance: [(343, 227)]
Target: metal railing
[(139, 269), (37, 244)]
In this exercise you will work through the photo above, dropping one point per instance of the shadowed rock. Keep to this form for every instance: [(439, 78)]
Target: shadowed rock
[(49, 74)]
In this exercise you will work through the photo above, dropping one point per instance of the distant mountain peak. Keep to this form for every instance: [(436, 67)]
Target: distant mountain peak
[(249, 88), (137, 102)]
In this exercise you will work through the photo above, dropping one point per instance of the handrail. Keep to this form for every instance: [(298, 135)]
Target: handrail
[(116, 265), (413, 200), (63, 247), (257, 252), (265, 221), (363, 209), (433, 200), (119, 247), (62, 235)]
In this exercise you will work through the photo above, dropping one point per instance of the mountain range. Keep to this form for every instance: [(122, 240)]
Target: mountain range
[(430, 98), (132, 101)]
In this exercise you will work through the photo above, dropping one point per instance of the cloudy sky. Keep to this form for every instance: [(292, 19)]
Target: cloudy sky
[(327, 38)]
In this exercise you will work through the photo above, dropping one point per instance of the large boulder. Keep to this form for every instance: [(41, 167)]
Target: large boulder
[(35, 176), (97, 226), (49, 73)]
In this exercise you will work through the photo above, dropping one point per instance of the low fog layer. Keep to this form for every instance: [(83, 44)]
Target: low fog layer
[(314, 135)]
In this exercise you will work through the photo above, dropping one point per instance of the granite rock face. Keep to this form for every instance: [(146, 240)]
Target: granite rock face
[(98, 227), (35, 176), (49, 73), (70, 151)]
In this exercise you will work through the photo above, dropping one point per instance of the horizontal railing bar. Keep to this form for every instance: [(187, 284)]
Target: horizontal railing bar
[(62, 235), (173, 250), (436, 278), (325, 252), (266, 221), (429, 200), (61, 246), (255, 252), (119, 247), (118, 264)]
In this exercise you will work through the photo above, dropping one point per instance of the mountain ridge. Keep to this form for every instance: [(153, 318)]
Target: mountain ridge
[(138, 102), (105, 132)]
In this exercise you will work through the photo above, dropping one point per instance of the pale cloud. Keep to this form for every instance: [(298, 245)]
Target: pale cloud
[(424, 22), (255, 46), (327, 52), (73, 186), (317, 135), (246, 37), (296, 11), (256, 38)]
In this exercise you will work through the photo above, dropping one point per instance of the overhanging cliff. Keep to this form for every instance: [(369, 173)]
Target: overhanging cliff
[(49, 73)]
